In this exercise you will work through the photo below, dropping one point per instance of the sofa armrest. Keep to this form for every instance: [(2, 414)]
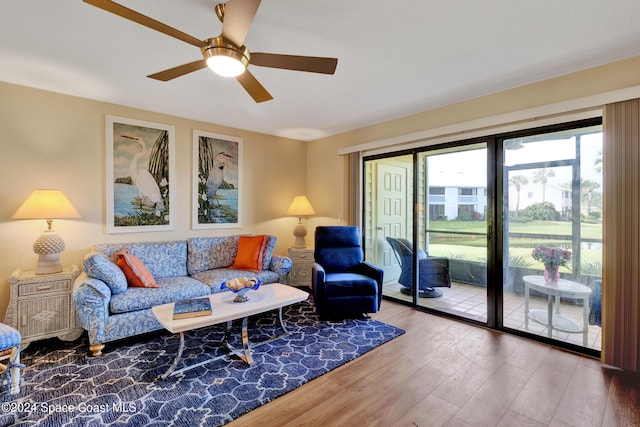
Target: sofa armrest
[(370, 270), (281, 265), (91, 297)]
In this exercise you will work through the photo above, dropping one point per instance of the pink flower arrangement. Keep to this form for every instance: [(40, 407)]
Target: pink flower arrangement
[(551, 256)]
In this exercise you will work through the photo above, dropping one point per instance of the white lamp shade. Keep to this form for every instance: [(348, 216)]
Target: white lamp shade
[(300, 206), (46, 204)]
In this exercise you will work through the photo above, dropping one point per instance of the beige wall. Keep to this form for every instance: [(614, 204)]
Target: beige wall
[(57, 141), (326, 179), (50, 140)]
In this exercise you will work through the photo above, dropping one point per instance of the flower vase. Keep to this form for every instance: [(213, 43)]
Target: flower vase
[(551, 273)]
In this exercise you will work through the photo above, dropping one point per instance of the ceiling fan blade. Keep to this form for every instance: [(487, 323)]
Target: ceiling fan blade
[(253, 87), (178, 71), (141, 19), (312, 64), (238, 16)]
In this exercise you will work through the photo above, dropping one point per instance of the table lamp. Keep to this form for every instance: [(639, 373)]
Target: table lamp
[(47, 204), (300, 207)]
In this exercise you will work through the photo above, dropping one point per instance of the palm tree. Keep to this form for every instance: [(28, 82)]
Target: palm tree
[(588, 187), (518, 181), (598, 162), (540, 176)]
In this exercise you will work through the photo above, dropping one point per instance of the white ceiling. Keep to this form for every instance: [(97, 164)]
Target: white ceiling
[(395, 58)]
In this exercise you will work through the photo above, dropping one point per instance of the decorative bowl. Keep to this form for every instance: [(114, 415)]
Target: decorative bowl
[(241, 294)]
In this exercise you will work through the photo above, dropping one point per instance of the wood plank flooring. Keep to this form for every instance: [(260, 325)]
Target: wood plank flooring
[(446, 373)]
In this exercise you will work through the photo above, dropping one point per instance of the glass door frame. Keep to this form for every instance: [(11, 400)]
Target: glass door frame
[(490, 144)]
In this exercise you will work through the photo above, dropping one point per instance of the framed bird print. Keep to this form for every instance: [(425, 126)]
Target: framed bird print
[(216, 184), (139, 175)]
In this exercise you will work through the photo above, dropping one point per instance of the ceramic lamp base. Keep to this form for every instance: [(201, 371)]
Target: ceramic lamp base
[(300, 232), (48, 246), (48, 264)]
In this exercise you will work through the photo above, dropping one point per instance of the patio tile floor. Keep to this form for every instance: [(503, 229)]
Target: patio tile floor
[(470, 302)]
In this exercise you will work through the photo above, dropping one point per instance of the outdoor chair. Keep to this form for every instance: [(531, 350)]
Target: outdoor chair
[(433, 272), (343, 283)]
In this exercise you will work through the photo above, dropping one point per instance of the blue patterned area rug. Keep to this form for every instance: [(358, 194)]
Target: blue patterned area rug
[(63, 385)]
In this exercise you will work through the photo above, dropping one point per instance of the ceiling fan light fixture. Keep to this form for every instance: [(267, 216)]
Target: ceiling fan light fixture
[(225, 66), (224, 59)]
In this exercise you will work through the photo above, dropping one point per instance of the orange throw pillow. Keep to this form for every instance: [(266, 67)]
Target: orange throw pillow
[(137, 274), (250, 253)]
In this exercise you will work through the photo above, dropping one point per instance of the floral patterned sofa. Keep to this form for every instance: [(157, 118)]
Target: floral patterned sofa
[(110, 310)]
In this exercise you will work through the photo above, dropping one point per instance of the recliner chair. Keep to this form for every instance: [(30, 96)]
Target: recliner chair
[(433, 272), (343, 283)]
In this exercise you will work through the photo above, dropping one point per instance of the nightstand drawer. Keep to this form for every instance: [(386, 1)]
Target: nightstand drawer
[(303, 255), (38, 288)]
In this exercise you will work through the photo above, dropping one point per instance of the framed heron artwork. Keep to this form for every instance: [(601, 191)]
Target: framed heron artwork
[(139, 175), (216, 184)]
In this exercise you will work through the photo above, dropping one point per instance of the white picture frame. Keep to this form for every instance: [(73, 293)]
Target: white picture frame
[(216, 181), (140, 176)]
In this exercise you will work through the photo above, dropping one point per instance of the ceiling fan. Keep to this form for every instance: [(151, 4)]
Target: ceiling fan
[(226, 53)]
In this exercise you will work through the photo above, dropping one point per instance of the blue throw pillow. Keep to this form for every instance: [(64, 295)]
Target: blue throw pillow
[(99, 266)]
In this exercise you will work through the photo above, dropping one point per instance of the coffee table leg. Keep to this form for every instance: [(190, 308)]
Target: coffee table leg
[(177, 359), (284, 328), (245, 342), (227, 333)]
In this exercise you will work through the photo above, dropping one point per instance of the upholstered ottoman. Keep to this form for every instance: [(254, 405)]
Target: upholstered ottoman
[(10, 350)]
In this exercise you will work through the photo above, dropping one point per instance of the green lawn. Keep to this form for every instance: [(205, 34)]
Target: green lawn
[(474, 247), (588, 231)]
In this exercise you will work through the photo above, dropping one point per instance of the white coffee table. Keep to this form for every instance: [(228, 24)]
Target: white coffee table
[(267, 297)]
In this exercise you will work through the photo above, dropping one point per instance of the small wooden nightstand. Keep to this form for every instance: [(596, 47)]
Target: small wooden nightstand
[(300, 274), (41, 305)]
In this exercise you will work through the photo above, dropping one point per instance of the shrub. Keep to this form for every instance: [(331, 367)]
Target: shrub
[(544, 211), (520, 261)]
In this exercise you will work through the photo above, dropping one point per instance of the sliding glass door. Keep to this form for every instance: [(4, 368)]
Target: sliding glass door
[(443, 266), (452, 230), (466, 229), (552, 223)]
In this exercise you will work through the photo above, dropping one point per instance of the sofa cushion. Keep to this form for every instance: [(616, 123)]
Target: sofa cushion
[(269, 246), (349, 284), (163, 259), (206, 253), (216, 277), (223, 251), (138, 276), (98, 266), (250, 253), (170, 289)]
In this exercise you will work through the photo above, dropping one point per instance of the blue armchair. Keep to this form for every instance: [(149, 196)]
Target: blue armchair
[(343, 283), (433, 272)]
